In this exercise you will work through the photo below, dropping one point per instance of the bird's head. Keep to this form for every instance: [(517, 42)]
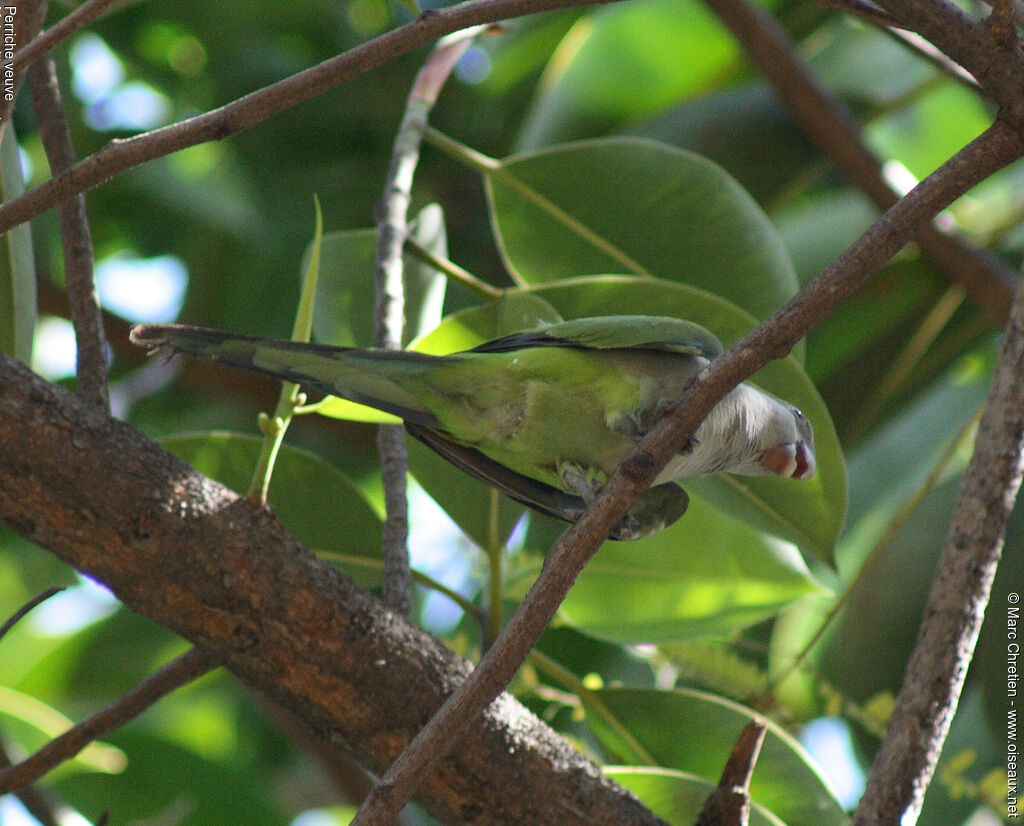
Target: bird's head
[(791, 449)]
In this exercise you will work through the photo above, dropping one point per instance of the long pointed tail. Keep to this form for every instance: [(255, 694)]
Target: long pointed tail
[(370, 377)]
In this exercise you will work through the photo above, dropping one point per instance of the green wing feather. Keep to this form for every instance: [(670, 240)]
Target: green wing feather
[(614, 332)]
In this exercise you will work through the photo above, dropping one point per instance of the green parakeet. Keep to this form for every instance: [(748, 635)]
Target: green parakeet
[(544, 415)]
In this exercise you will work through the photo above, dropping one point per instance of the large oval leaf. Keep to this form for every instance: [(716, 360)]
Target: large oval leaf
[(703, 730), (808, 513), (346, 300), (706, 575), (634, 206), (624, 62)]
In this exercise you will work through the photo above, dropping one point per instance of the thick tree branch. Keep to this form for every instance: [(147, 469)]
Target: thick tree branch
[(258, 106), (956, 604), (836, 132), (188, 553), (772, 339)]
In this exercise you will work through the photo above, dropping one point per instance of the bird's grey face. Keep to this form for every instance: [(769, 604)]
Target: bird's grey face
[(793, 455)]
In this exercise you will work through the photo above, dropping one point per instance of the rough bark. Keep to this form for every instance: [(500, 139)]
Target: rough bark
[(183, 550)]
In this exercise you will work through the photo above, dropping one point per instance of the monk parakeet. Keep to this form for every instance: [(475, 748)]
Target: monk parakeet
[(547, 414)]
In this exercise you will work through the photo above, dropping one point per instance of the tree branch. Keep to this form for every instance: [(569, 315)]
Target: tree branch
[(37, 802), (186, 552), (178, 672), (998, 66), (76, 238), (956, 604), (729, 803), (392, 222), (75, 21), (772, 339), (258, 106), (17, 616)]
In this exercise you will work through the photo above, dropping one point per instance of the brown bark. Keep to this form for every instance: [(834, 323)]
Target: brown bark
[(186, 552)]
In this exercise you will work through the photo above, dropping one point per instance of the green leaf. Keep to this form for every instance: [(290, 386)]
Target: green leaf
[(318, 504), (622, 63), (923, 136), (745, 129), (702, 732), (37, 723), (335, 408), (346, 302), (889, 345), (167, 782), (879, 620), (706, 575), (809, 513), (17, 264), (633, 206), (677, 797), (471, 327)]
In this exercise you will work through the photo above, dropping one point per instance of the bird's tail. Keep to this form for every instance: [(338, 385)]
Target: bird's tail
[(370, 377)]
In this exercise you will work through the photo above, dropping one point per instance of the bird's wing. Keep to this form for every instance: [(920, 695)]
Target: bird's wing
[(657, 508), (530, 492), (614, 332)]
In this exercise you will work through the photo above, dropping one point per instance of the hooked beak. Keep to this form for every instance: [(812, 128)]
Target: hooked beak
[(794, 461)]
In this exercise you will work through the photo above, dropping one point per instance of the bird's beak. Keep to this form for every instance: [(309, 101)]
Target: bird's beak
[(794, 461)]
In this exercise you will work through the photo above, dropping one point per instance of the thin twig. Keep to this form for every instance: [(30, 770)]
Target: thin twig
[(921, 47), (837, 133), (18, 615), (258, 106), (910, 40), (392, 222), (771, 339), (75, 21), (76, 238), (729, 803), (37, 802), (956, 604), (186, 668), (970, 43)]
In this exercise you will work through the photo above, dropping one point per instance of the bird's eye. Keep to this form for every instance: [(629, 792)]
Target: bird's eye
[(798, 413)]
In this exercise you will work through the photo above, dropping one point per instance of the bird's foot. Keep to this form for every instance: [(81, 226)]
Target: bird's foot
[(584, 482)]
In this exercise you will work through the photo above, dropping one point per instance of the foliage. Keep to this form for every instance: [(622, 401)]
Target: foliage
[(639, 167)]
